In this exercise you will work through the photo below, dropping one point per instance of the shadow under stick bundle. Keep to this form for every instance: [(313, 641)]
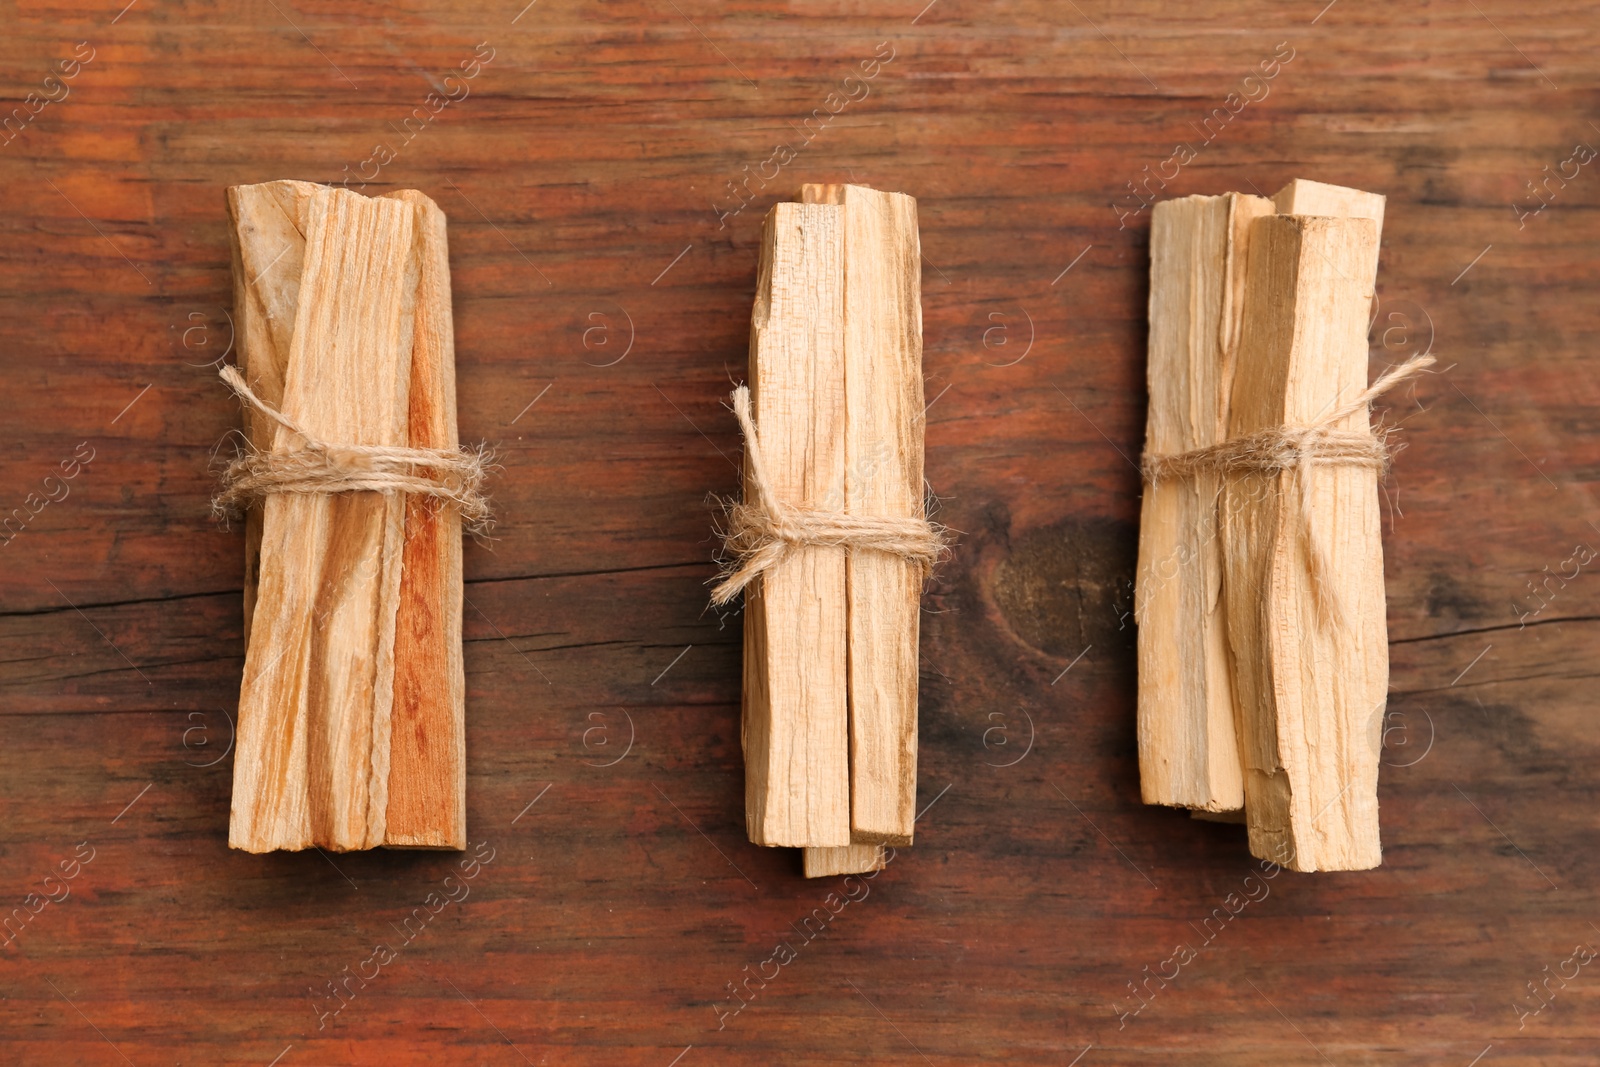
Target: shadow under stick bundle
[(351, 710), (831, 544), (1262, 638)]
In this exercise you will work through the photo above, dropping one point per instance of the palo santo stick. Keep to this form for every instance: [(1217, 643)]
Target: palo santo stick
[(427, 754), (851, 859), (1188, 748), (1302, 197), (345, 578), (795, 726), (1310, 679), (268, 239), (883, 477)]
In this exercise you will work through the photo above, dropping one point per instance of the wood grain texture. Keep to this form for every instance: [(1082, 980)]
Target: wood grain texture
[(352, 711), (883, 476), (1311, 663), (267, 235), (1190, 724), (850, 859), (318, 687), (426, 791), (883, 444), (795, 722), (598, 146), (1188, 741)]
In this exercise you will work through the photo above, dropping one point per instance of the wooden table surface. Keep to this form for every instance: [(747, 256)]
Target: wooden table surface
[(605, 173)]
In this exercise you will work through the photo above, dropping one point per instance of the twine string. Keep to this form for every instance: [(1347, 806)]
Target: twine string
[(453, 476), (1296, 451), (763, 531)]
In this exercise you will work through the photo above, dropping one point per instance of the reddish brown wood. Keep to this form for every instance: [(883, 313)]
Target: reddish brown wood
[(425, 806), (592, 149)]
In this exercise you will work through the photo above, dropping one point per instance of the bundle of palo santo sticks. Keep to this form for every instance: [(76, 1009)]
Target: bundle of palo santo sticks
[(831, 544), (351, 709), (1263, 656)]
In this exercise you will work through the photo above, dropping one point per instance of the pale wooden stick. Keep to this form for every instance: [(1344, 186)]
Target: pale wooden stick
[(268, 239), (1311, 688), (851, 859), (1188, 748), (795, 727), (884, 449), (883, 477)]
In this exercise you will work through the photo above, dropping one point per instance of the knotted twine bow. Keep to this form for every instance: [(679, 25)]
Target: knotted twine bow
[(452, 475), (764, 531), (1295, 450)]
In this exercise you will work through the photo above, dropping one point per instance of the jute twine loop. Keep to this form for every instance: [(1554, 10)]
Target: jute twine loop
[(763, 532), (454, 476), (1295, 451)]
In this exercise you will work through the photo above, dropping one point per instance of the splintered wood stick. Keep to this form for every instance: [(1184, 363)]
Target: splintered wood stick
[(268, 241), (883, 477), (795, 726), (355, 622), (1311, 681), (318, 679), (427, 736), (1188, 748)]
